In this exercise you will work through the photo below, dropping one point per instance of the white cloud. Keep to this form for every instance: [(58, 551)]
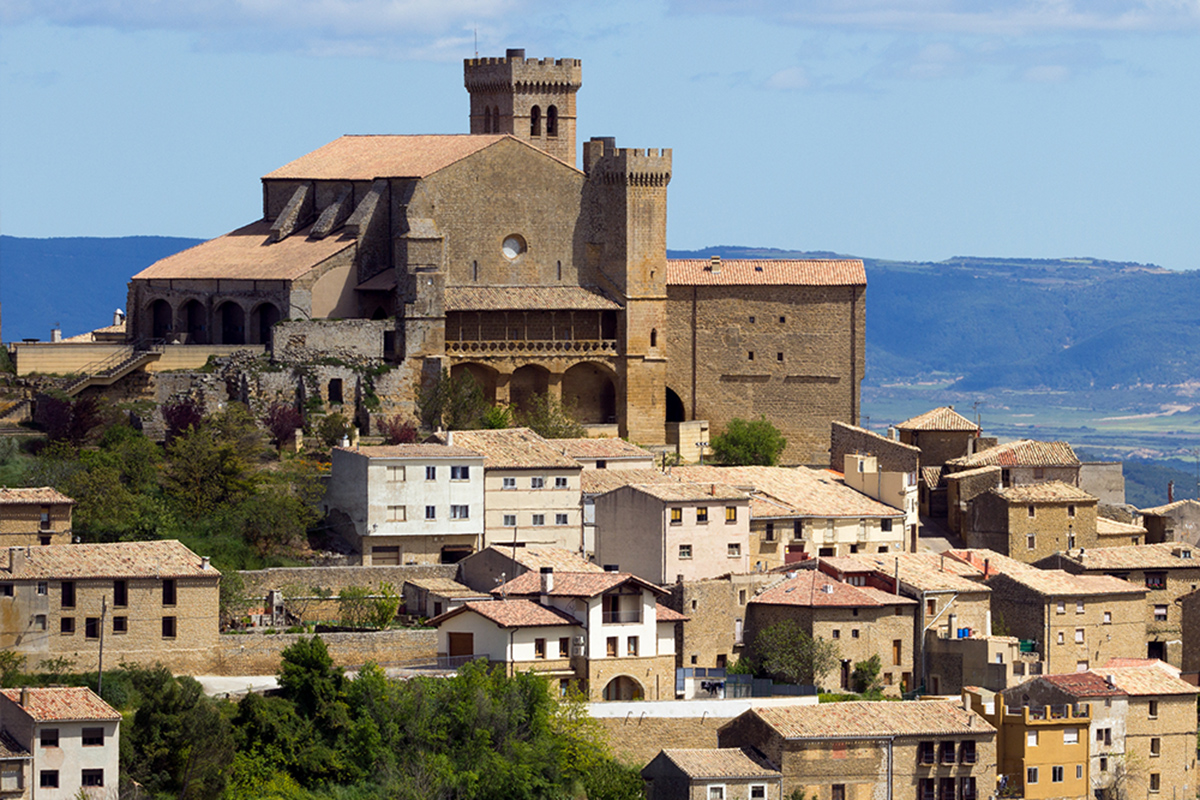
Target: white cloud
[(789, 79), (987, 17)]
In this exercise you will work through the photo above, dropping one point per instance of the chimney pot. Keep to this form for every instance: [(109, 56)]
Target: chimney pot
[(547, 574), (204, 562), (714, 264), (24, 696)]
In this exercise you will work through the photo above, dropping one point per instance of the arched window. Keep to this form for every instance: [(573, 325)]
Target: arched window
[(552, 121), (535, 121), (487, 120), (654, 337)]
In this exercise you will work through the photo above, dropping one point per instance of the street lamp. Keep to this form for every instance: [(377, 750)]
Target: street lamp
[(702, 445)]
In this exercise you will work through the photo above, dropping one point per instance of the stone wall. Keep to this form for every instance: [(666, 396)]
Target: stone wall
[(349, 340), (259, 582), (891, 455), (1103, 479), (637, 739), (962, 488), (261, 653), (716, 608)]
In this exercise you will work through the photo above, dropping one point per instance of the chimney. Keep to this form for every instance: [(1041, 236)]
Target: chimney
[(118, 317), (204, 562), (547, 580), (827, 588), (24, 696), (987, 562), (16, 559), (1170, 491), (892, 432), (56, 334), (712, 489), (714, 264)]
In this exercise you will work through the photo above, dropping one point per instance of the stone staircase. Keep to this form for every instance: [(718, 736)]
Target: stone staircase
[(111, 369)]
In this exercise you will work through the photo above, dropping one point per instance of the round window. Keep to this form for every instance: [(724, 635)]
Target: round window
[(514, 246)]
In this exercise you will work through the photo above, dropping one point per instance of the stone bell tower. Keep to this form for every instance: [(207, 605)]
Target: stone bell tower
[(532, 99)]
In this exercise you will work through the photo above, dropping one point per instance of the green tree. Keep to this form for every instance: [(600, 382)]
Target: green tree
[(203, 472), (864, 679), (749, 442), (333, 428), (11, 664), (454, 403), (547, 416), (785, 653)]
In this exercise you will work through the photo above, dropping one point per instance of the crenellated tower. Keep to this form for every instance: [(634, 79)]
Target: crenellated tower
[(628, 251), (532, 99)]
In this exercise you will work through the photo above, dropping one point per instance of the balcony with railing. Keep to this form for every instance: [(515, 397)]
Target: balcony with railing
[(623, 616), (532, 347)]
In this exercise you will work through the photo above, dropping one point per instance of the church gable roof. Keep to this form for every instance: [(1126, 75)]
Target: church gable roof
[(365, 158)]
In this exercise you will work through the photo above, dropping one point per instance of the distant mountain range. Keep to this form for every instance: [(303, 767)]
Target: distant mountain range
[(1062, 324)]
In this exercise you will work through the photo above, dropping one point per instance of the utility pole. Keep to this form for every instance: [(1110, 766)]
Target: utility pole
[(100, 669)]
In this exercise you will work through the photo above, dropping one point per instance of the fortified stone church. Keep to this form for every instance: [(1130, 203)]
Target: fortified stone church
[(494, 253)]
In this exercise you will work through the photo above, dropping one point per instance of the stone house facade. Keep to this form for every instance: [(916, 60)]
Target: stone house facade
[(492, 254), (861, 750), (941, 434), (715, 635), (713, 774), (1030, 522), (879, 467), (72, 736), (664, 532), (861, 621), (497, 564), (962, 488), (407, 503), (31, 517), (1168, 572), (1024, 462), (604, 631), (149, 601), (1076, 621), (1174, 522)]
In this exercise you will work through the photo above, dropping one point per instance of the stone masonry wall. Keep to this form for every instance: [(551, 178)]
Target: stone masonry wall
[(891, 455), (350, 340), (259, 582), (260, 653), (636, 739)]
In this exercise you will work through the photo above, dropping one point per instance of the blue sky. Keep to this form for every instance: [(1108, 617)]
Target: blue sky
[(910, 129)]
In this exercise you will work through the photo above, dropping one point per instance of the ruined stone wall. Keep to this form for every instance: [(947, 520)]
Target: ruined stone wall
[(891, 455), (791, 353), (315, 340), (259, 582)]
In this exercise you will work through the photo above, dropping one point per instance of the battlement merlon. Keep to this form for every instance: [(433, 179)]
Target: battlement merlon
[(604, 160), (487, 74)]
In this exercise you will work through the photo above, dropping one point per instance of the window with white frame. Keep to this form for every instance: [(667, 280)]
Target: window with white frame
[(1056, 774), (430, 512), (460, 512), (1160, 613), (716, 792), (537, 482), (1079, 635), (431, 473), (685, 551), (1071, 736), (734, 550), (560, 482), (508, 483), (538, 519), (1078, 606), (460, 473), (395, 474), (560, 519), (397, 513), (510, 520)]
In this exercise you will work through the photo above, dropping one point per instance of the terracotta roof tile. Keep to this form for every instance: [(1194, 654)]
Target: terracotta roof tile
[(560, 558), (810, 588), (813, 493), (1142, 556), (365, 158), (1166, 510), (1147, 680), (690, 492), (1112, 527), (972, 473), (724, 762), (154, 559), (511, 448), (422, 451), (1022, 453), (939, 419), (446, 587), (526, 298), (603, 448), (599, 481), (664, 614), (43, 495), (1048, 492), (766, 272), (248, 254), (933, 477), (573, 584), (928, 571), (63, 704), (1057, 582), (511, 613), (871, 719), (1083, 684)]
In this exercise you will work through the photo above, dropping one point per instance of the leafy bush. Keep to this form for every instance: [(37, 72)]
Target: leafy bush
[(397, 430), (282, 421), (549, 417), (333, 428), (181, 415), (749, 442)]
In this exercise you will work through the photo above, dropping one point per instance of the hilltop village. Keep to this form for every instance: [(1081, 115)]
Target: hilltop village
[(924, 614)]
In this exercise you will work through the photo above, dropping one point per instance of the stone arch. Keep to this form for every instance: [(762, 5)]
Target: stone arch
[(484, 376), (535, 121), (193, 319), (262, 320), (624, 687), (231, 318), (552, 121), (675, 408), (590, 389), (161, 317), (527, 381)]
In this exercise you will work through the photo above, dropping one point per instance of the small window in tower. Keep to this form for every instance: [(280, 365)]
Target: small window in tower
[(750, 355), (487, 120), (475, 270), (779, 356), (654, 337), (552, 120), (560, 270), (535, 121)]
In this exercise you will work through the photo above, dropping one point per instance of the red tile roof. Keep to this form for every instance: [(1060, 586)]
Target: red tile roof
[(810, 588), (153, 559), (690, 492), (527, 298), (573, 584), (1147, 680), (664, 614), (607, 448), (1083, 684), (873, 719), (43, 495), (717, 763), (1048, 492), (511, 613), (811, 493), (766, 272), (1022, 453), (62, 704), (430, 450), (939, 419), (365, 158), (248, 254)]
